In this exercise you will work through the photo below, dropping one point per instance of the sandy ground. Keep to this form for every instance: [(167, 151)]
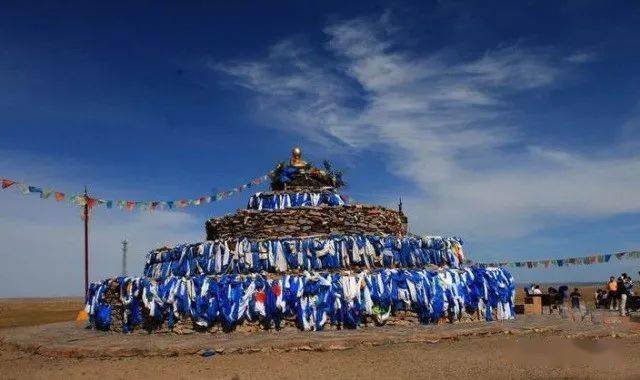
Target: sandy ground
[(538, 355), (490, 357), (36, 311)]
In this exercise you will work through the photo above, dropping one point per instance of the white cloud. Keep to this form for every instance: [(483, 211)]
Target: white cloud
[(582, 57), (445, 124)]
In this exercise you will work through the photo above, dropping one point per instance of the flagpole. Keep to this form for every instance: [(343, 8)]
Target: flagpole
[(82, 314), (86, 242)]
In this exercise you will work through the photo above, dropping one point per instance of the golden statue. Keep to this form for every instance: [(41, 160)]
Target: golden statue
[(296, 158)]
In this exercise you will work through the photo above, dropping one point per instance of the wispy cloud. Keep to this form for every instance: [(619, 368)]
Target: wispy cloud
[(445, 123), (582, 57)]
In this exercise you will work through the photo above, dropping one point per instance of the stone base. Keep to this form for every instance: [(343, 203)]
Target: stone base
[(70, 339), (401, 318)]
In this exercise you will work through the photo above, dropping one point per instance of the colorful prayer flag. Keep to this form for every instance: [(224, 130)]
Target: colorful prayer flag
[(46, 193), (81, 199), (7, 183), (91, 202)]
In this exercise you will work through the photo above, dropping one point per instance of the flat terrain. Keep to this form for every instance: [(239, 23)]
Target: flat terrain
[(36, 311), (530, 347), (497, 356)]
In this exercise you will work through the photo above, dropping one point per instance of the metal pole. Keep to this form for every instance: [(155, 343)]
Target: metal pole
[(124, 257), (86, 242)]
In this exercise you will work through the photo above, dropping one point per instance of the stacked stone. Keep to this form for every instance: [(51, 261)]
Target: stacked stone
[(302, 256), (308, 221), (295, 255)]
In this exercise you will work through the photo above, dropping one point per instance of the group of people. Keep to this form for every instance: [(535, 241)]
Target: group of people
[(561, 300), (617, 296), (617, 293)]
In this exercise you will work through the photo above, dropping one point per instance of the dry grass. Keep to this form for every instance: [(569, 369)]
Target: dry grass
[(36, 311)]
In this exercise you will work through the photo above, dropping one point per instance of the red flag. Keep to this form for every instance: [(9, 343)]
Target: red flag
[(91, 202), (7, 182), (261, 296), (59, 196), (276, 290)]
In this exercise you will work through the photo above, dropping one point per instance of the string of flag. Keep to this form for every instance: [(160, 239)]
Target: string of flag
[(548, 263), (130, 205)]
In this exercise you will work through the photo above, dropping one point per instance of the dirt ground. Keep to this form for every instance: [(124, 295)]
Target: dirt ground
[(491, 357), (36, 311), (551, 354)]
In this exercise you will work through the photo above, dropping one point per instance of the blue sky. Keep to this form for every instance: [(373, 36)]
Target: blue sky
[(515, 126)]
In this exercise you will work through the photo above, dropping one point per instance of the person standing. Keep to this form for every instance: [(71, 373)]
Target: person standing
[(628, 283), (576, 307), (563, 292), (612, 295), (625, 286), (536, 290)]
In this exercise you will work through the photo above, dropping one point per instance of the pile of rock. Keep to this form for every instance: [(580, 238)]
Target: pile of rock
[(308, 221), (302, 257), (112, 297)]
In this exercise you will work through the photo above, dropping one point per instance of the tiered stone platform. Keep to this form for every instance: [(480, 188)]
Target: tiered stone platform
[(302, 256), (69, 339)]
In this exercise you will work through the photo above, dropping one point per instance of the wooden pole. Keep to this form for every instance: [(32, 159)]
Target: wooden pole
[(86, 242), (82, 314)]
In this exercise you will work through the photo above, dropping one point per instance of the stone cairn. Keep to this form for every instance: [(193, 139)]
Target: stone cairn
[(302, 256)]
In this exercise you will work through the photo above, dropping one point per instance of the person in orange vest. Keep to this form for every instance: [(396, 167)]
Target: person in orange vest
[(612, 288)]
